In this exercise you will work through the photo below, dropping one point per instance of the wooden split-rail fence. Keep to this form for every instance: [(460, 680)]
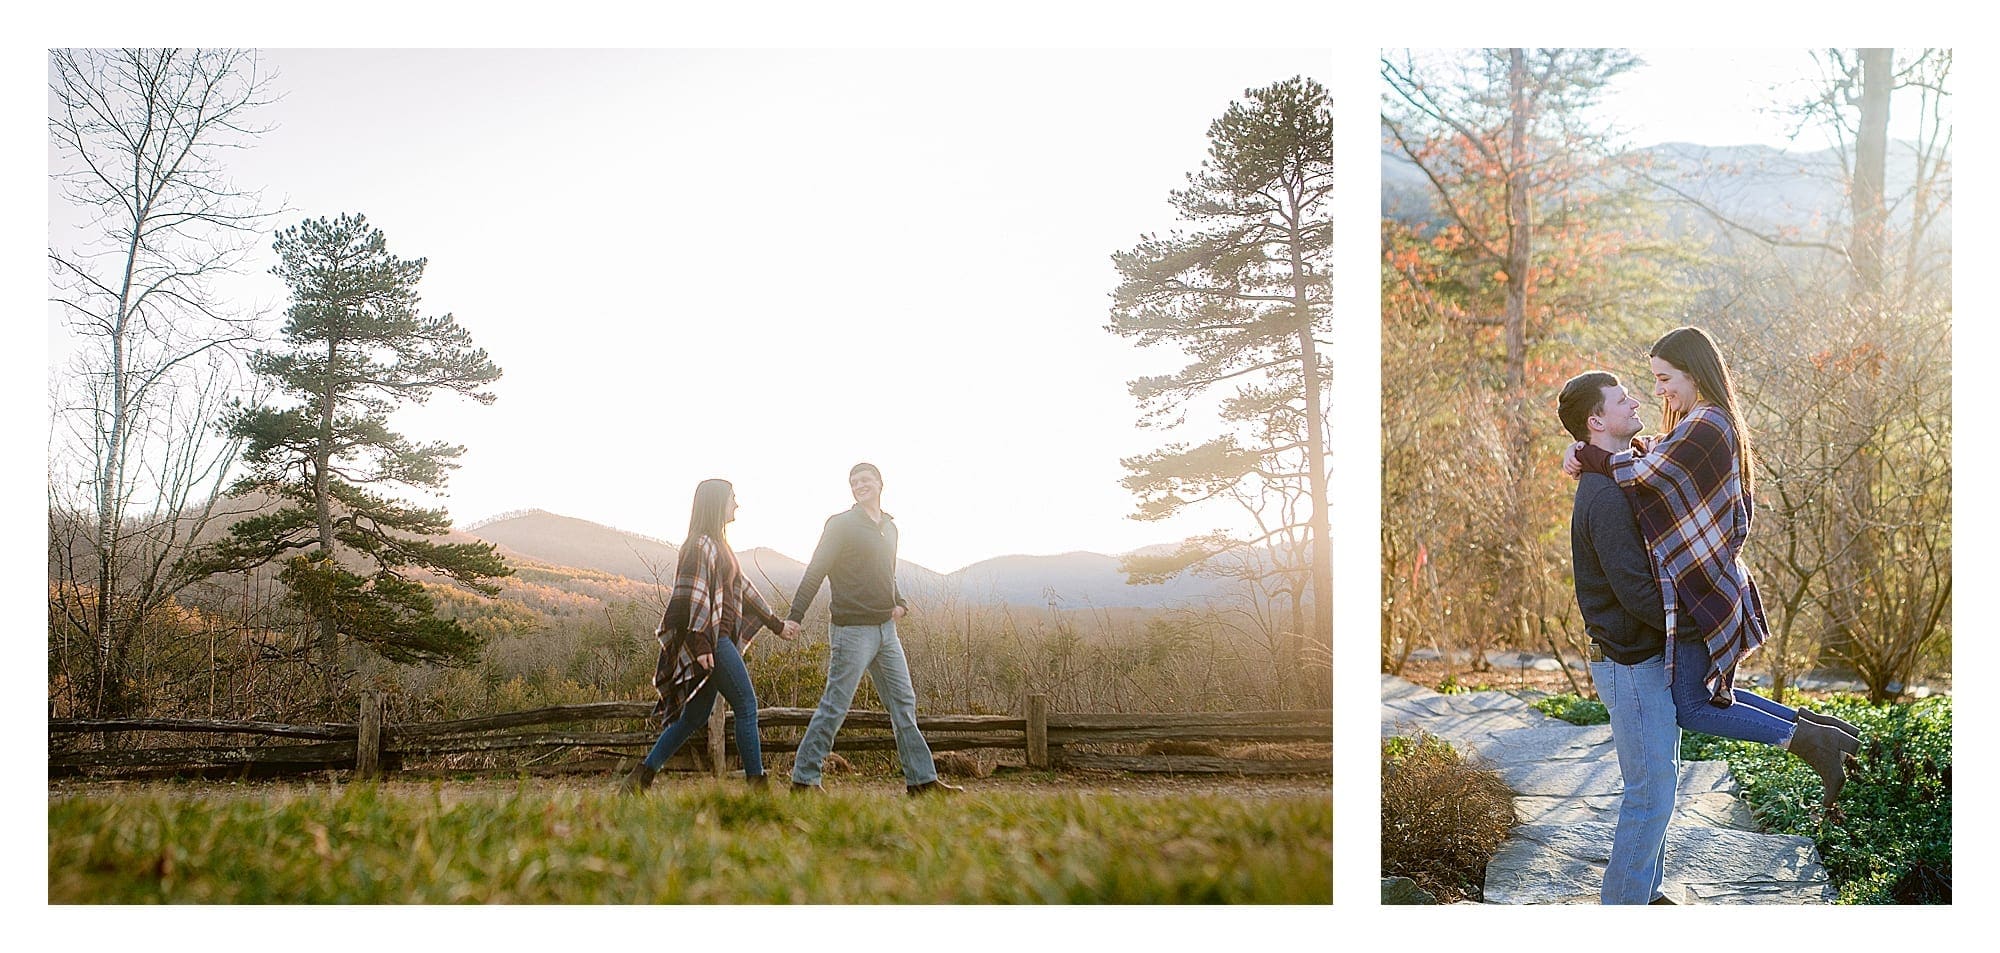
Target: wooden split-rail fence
[(372, 747)]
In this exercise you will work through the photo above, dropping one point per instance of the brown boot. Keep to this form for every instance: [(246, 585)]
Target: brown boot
[(1825, 749), (637, 780), (1831, 722), (758, 782)]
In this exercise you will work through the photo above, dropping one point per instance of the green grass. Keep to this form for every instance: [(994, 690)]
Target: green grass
[(693, 842)]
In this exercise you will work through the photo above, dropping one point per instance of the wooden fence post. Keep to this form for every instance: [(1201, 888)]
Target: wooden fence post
[(1038, 731), (368, 736), (718, 745)]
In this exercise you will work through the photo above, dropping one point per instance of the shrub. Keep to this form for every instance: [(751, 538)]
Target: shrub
[(1452, 686), (1574, 709), (1442, 817), (1888, 838)]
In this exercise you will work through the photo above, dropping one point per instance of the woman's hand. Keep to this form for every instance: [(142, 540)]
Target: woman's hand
[(1647, 442), (1572, 467), (706, 660)]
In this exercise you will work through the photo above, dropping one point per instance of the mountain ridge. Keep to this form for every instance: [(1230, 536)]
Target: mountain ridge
[(1071, 579)]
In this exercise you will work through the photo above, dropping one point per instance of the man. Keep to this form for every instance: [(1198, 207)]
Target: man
[(1622, 612), (857, 553)]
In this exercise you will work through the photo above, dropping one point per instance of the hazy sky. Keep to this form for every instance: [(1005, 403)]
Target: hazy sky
[(766, 266), (1727, 98)]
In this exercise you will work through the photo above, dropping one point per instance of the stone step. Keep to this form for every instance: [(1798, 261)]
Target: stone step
[(1564, 864), (1567, 790), (1690, 810)]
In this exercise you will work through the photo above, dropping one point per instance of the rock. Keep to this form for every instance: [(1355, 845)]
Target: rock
[(1404, 891), (1564, 863), (1707, 809)]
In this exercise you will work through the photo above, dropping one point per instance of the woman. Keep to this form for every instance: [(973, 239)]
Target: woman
[(1693, 493), (710, 618)]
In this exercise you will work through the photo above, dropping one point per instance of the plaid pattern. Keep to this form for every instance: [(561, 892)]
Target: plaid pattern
[(710, 596), (1689, 497)]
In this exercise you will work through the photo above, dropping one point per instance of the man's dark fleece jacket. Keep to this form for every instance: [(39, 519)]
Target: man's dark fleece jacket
[(1615, 585), (859, 556)]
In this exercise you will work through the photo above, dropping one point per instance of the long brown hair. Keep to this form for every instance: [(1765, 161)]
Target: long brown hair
[(1693, 352), (709, 517)]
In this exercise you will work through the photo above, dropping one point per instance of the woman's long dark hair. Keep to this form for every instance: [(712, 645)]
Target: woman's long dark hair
[(1693, 352), (710, 512)]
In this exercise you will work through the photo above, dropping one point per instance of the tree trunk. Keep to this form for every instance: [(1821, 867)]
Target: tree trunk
[(1518, 247), (329, 627), (1871, 152), (1319, 487)]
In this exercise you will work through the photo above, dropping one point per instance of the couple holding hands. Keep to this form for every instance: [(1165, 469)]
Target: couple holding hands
[(715, 611)]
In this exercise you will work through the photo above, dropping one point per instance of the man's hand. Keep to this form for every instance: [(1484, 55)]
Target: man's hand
[(898, 613), (789, 631), (1572, 467)]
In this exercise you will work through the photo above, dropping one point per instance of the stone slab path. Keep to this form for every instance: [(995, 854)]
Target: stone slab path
[(1567, 790)]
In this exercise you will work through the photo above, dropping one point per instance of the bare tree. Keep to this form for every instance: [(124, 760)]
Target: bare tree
[(138, 138)]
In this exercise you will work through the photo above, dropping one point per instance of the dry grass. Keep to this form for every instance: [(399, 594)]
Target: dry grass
[(1205, 748), (958, 764), (1273, 751), (1442, 817)]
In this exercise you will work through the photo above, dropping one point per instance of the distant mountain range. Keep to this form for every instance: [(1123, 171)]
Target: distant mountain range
[(1757, 186), (1070, 580)]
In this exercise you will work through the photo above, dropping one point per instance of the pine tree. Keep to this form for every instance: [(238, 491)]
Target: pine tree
[(1247, 294), (355, 349)]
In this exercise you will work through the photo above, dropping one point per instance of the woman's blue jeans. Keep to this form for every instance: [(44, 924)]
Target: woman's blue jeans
[(1752, 718), (732, 679)]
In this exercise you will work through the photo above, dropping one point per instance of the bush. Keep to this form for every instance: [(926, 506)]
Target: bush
[(1888, 838), (1452, 686), (1442, 818), (1574, 709)]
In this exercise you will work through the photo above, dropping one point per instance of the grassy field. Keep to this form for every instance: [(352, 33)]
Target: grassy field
[(685, 842)]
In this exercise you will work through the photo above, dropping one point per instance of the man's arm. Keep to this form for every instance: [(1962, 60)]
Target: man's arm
[(816, 570), (1622, 553)]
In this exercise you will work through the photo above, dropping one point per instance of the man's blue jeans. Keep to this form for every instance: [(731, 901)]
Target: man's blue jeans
[(1648, 741), (732, 679), (1752, 718), (876, 650)]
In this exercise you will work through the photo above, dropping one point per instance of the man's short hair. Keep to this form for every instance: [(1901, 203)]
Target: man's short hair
[(1582, 398), (857, 468)]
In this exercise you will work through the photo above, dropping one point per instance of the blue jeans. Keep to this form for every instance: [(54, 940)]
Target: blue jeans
[(876, 650), (732, 679), (1648, 743), (1752, 718)]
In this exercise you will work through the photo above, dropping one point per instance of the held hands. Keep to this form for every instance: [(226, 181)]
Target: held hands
[(898, 613), (706, 660), (1572, 467), (789, 631)]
